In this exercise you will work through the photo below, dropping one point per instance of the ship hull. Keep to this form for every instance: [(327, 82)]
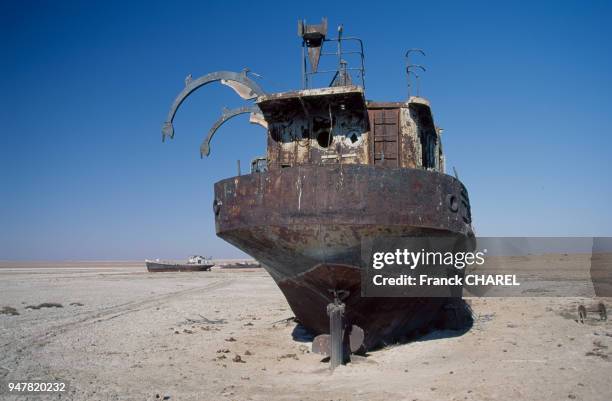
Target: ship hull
[(171, 267), (307, 224)]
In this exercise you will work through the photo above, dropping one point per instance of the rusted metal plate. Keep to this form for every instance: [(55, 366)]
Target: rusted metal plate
[(322, 344), (306, 225), (327, 196), (356, 338)]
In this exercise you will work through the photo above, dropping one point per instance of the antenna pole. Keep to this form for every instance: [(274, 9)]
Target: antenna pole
[(409, 66), (304, 78), (340, 29), (409, 70)]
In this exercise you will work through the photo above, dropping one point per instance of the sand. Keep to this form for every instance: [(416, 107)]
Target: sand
[(122, 333)]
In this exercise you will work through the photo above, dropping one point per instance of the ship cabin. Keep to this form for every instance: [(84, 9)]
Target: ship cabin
[(336, 124)]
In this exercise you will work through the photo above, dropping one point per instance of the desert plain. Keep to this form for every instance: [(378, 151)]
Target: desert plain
[(113, 331)]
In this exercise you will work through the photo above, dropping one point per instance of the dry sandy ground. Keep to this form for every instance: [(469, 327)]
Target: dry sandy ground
[(125, 334)]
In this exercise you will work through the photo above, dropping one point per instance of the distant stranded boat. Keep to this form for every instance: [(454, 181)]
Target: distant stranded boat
[(194, 263)]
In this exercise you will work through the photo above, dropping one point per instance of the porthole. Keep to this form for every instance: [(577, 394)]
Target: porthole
[(452, 202)]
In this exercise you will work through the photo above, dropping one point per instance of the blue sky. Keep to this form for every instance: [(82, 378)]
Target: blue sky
[(523, 91)]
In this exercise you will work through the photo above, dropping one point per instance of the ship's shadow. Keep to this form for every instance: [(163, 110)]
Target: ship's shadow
[(302, 334), (454, 319)]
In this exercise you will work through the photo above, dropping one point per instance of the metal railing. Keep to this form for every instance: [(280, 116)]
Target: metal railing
[(342, 63)]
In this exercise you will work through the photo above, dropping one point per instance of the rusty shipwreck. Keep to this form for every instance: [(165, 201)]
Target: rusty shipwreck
[(338, 169)]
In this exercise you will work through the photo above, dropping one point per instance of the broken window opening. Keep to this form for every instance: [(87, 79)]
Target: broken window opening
[(429, 144), (276, 132), (324, 139), (321, 128), (353, 137)]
